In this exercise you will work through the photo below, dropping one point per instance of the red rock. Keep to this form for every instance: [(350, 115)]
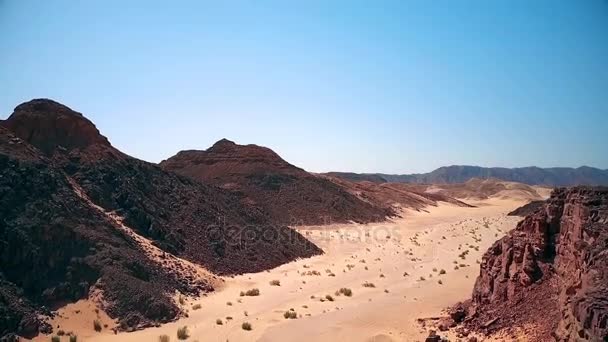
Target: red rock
[(289, 194), (551, 271)]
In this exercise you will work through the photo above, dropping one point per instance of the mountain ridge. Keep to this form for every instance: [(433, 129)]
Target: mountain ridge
[(532, 175)]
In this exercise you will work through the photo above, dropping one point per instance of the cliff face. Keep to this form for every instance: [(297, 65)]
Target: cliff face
[(551, 271)]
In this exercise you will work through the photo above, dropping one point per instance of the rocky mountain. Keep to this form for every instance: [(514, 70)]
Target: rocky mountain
[(558, 176), (79, 216), (262, 178), (549, 276)]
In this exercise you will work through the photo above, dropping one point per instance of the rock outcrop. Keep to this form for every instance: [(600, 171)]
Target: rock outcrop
[(262, 178), (550, 272)]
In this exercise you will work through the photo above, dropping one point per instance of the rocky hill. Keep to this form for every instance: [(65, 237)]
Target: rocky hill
[(549, 276), (395, 195), (262, 178), (80, 216), (479, 189), (557, 176)]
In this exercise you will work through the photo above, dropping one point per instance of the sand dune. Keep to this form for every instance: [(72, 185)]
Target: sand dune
[(394, 256)]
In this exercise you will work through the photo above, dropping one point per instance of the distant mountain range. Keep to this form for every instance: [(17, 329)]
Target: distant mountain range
[(555, 176)]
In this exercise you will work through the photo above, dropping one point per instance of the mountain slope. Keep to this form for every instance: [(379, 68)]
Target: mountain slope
[(77, 212), (260, 177), (558, 176), (395, 195), (55, 248)]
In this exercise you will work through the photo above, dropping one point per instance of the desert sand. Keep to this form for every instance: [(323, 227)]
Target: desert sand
[(403, 259)]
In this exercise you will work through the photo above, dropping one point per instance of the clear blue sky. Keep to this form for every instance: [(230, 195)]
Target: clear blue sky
[(365, 86)]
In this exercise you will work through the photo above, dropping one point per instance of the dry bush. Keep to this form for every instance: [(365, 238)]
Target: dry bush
[(246, 326), (368, 284), (252, 292), (182, 333), (219, 322), (275, 282), (97, 325), (196, 306), (346, 291), (163, 338), (290, 315)]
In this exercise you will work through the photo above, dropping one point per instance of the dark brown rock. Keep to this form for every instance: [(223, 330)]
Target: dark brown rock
[(287, 193), (551, 271), (527, 209), (61, 183)]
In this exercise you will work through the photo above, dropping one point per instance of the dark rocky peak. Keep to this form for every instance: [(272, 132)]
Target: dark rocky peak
[(222, 145), (226, 157), (49, 126)]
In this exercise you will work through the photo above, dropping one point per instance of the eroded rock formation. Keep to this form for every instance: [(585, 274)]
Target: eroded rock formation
[(550, 272)]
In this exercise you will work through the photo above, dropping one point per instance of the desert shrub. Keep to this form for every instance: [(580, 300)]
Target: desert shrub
[(290, 315), (55, 339), (73, 338), (329, 298), (252, 292), (219, 322), (346, 291), (439, 282), (368, 284), (196, 306), (246, 326), (182, 333), (442, 271), (422, 278), (275, 282), (60, 332), (163, 338), (242, 294), (181, 300), (97, 325), (229, 303)]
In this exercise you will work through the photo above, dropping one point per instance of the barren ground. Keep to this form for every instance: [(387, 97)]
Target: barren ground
[(394, 256)]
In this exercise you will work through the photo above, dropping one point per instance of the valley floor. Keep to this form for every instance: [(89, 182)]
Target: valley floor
[(403, 259)]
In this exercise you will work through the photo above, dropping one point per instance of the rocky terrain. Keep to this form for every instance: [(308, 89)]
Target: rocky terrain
[(80, 216), (527, 209), (548, 278), (478, 188), (395, 195), (262, 178), (556, 176)]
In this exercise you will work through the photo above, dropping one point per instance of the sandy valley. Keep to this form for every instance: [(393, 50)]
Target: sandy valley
[(413, 267)]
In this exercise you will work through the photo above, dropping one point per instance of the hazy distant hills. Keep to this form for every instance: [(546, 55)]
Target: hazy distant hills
[(555, 176)]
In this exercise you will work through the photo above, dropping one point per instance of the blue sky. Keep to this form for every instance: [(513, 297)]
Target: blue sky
[(365, 86)]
